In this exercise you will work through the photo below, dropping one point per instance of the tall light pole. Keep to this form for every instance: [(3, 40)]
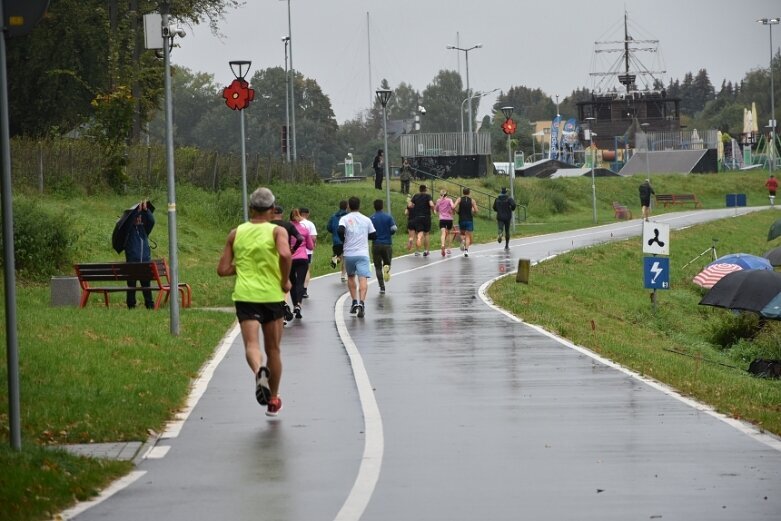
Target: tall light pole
[(468, 93), (173, 256), (384, 95), (593, 152), (770, 22), (593, 185), (237, 68), (292, 126), (508, 113), (477, 95), (286, 40)]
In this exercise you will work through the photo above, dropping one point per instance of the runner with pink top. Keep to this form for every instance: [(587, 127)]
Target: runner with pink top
[(444, 208)]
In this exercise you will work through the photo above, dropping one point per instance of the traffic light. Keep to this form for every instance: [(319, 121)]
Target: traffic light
[(509, 126), (284, 140)]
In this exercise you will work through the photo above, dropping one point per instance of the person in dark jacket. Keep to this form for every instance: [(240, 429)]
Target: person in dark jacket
[(504, 206), (646, 191), (137, 250), (377, 165), (337, 246)]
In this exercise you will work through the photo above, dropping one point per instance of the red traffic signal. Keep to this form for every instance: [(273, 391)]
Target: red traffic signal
[(509, 126)]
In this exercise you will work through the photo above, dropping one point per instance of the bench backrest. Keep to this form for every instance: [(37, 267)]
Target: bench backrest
[(117, 271)]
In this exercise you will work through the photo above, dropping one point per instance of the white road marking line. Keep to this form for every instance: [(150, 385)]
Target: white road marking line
[(104, 495), (744, 427), (173, 428), (158, 452), (374, 445)]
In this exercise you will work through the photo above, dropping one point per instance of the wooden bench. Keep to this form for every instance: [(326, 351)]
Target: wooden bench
[(112, 277), (621, 211), (668, 199)]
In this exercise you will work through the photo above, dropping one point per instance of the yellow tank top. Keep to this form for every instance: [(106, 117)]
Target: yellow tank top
[(257, 264)]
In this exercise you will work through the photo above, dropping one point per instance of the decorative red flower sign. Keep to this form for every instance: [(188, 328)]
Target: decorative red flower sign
[(238, 94), (509, 126)]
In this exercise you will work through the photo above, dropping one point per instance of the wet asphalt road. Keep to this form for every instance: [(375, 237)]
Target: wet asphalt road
[(436, 406)]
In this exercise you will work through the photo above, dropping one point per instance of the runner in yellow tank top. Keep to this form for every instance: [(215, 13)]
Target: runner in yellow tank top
[(258, 254)]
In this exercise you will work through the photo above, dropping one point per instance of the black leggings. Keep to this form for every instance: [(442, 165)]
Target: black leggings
[(297, 276), (506, 225)]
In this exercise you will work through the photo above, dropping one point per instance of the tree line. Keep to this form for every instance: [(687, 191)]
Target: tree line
[(83, 71)]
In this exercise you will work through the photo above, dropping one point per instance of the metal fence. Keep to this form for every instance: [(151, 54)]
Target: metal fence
[(446, 144), (677, 140), (51, 164)]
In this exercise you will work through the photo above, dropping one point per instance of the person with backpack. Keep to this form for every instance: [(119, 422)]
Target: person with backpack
[(504, 206)]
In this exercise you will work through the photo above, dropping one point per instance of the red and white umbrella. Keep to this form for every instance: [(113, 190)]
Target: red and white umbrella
[(714, 273)]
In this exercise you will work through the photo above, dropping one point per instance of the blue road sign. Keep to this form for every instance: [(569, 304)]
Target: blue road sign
[(656, 272)]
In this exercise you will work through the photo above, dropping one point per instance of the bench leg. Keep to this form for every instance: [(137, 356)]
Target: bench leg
[(105, 297), (84, 298)]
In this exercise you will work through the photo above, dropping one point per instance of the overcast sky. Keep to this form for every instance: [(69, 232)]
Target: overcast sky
[(540, 44)]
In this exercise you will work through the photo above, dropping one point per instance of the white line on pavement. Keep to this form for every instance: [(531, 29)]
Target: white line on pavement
[(744, 427), (374, 445), (104, 495)]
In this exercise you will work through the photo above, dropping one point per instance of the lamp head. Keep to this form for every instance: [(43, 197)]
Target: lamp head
[(384, 95), (508, 112)]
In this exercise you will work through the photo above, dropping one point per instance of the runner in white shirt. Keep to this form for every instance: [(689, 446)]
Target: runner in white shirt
[(313, 234), (355, 230)]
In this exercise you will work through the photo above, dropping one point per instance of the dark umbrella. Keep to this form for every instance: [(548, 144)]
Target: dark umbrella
[(774, 231), (122, 227), (747, 290), (774, 256)]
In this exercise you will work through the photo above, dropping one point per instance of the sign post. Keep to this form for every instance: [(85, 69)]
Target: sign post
[(656, 270)]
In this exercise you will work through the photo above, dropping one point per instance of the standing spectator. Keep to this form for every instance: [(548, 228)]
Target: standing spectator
[(444, 208), (405, 176), (382, 246), (466, 208), (377, 165), (420, 208), (300, 263), (772, 185), (646, 191), (296, 241), (337, 247), (257, 252), (356, 230), (137, 250), (504, 206), (309, 251)]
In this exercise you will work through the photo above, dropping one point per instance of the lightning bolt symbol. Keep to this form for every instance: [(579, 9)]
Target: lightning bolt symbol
[(657, 271)]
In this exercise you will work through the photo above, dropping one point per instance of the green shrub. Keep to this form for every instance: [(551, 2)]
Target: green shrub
[(43, 241), (731, 328)]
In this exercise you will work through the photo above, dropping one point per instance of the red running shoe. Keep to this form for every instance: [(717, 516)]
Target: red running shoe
[(274, 406)]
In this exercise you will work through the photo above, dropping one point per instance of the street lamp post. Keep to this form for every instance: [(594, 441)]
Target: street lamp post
[(508, 112), (593, 150), (384, 95), (286, 40), (468, 93), (239, 65), (592, 135), (292, 127), (477, 95), (770, 22)]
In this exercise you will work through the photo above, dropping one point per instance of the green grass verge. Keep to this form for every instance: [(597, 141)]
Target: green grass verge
[(107, 375), (595, 298)]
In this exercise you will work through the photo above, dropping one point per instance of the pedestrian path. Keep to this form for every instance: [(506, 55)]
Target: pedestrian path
[(437, 405)]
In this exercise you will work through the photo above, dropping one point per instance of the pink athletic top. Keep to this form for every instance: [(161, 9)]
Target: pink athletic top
[(444, 208), (301, 253)]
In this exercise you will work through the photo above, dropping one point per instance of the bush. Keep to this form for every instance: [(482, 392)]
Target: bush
[(731, 328), (43, 242)]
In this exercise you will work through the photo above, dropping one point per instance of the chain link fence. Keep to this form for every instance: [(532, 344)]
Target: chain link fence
[(52, 164)]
